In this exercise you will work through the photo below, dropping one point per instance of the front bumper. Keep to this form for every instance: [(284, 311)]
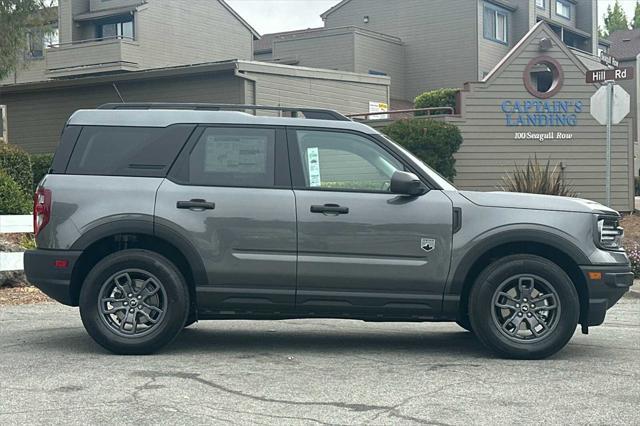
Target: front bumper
[(51, 271), (606, 285)]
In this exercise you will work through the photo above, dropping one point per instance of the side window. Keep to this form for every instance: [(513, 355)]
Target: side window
[(333, 160), (233, 157), (127, 151)]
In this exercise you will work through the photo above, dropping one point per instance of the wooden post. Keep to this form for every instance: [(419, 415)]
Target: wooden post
[(5, 130)]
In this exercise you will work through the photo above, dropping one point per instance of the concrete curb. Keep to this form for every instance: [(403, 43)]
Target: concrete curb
[(634, 292)]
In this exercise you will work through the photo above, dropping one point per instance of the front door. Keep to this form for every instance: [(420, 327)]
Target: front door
[(230, 195), (363, 251)]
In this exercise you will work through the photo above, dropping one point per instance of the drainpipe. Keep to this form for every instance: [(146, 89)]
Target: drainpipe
[(251, 80), (636, 118)]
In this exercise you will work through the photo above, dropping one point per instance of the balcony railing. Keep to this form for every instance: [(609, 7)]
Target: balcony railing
[(92, 56)]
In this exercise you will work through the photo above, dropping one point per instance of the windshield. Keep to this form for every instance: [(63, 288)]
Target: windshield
[(435, 176)]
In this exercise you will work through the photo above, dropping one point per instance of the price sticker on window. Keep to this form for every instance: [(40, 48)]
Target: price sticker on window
[(313, 161)]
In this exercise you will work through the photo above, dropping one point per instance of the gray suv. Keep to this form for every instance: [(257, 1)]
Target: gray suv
[(154, 216)]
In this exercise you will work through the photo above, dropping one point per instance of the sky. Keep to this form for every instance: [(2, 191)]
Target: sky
[(268, 16)]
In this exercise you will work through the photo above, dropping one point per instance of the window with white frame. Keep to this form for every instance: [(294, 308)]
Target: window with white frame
[(541, 4), (496, 24), (563, 8)]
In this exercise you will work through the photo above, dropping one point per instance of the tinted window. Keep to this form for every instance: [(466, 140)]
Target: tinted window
[(335, 160), (127, 151), (233, 157)]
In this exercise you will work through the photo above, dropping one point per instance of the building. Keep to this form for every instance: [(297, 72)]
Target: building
[(625, 48), (106, 36), (428, 45), (230, 82), (158, 51)]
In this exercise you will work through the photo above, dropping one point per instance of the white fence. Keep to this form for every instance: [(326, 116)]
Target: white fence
[(12, 225)]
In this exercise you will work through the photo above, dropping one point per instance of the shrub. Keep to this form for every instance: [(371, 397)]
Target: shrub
[(434, 142), (16, 163), (436, 98), (13, 199), (633, 251), (40, 164), (535, 178)]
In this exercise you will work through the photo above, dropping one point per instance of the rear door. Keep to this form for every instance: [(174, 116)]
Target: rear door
[(363, 251), (230, 195)]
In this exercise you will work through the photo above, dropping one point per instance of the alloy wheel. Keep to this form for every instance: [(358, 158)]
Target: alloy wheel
[(526, 308), (132, 303)]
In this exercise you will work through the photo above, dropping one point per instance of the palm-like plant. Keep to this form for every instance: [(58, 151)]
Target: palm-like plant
[(536, 178)]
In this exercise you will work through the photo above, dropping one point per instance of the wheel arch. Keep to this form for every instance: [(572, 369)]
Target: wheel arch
[(540, 242), (119, 235)]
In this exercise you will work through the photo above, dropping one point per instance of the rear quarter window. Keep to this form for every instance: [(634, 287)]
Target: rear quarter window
[(127, 151)]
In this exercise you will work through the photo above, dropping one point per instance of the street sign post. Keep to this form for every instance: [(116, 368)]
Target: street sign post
[(609, 105)]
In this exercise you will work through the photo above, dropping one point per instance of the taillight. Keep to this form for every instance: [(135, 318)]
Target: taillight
[(41, 209)]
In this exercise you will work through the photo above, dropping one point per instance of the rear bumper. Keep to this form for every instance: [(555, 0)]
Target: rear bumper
[(614, 282), (50, 271)]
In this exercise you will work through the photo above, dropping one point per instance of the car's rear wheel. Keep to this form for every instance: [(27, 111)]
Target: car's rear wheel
[(134, 302), (524, 307)]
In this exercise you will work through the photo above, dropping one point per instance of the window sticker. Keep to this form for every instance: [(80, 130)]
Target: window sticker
[(313, 159), (227, 154)]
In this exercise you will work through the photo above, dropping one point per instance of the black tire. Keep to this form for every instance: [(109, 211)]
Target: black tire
[(539, 286), (465, 323), (161, 308)]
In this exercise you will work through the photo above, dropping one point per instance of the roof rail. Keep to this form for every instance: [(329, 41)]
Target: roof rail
[(309, 113)]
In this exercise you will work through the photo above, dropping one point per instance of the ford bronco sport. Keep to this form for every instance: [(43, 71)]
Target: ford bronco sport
[(154, 216)]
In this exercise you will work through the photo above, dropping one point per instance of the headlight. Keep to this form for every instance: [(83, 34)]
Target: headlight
[(610, 233)]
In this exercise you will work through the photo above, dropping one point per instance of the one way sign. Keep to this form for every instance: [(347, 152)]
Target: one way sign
[(600, 76)]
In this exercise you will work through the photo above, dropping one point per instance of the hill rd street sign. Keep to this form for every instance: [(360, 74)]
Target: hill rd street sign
[(600, 76)]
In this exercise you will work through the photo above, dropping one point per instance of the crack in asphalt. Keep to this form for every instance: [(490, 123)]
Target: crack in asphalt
[(196, 378)]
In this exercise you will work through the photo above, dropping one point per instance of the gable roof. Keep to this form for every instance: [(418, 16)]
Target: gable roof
[(522, 44), (266, 41), (334, 8), (625, 44), (256, 34)]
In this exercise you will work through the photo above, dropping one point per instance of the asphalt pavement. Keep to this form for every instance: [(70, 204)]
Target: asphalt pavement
[(312, 372)]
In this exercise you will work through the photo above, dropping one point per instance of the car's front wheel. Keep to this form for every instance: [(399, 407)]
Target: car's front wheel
[(134, 302), (524, 307)]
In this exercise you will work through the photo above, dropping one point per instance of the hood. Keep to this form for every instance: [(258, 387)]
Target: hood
[(517, 200)]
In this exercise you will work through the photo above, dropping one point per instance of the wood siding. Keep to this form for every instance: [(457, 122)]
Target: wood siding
[(334, 51), (35, 119), (489, 150), (183, 32), (379, 55), (346, 93), (439, 51)]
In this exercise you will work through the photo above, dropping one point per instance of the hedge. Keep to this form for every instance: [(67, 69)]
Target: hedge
[(40, 164), (13, 199), (436, 98), (16, 164), (434, 142)]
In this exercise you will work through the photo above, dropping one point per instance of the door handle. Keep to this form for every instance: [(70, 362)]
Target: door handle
[(330, 209), (195, 204)]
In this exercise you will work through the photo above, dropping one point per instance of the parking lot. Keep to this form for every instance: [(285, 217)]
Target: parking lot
[(312, 372)]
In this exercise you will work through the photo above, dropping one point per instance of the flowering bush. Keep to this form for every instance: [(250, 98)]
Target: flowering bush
[(633, 251)]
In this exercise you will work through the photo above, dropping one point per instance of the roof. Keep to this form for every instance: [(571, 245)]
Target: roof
[(266, 41), (168, 117), (195, 69), (256, 34), (334, 8), (625, 44)]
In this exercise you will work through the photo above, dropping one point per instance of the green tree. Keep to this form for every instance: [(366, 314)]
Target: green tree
[(635, 24), (615, 19), (17, 19)]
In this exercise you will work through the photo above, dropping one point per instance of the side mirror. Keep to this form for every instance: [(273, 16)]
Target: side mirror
[(403, 183)]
